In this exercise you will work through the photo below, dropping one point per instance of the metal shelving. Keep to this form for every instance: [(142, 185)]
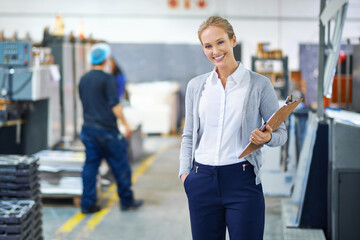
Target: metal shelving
[(279, 79)]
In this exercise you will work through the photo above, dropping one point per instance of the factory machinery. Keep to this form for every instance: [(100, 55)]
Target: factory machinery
[(39, 106), (27, 92), (326, 187)]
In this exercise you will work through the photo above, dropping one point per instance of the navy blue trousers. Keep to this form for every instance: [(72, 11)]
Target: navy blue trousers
[(111, 146), (225, 196)]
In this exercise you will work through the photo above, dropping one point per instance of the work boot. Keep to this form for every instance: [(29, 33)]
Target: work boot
[(93, 209), (135, 204)]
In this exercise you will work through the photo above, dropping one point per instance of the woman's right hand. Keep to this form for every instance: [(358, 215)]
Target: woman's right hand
[(183, 177)]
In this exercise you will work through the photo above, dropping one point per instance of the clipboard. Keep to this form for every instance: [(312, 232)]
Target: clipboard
[(274, 121)]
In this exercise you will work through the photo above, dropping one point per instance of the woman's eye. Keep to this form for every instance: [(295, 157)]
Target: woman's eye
[(220, 42), (208, 46)]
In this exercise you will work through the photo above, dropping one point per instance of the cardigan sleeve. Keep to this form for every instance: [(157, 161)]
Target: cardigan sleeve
[(268, 106), (187, 136)]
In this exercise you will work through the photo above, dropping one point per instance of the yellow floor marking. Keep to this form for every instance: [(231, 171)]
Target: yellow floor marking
[(71, 223), (145, 165), (142, 168), (110, 189), (97, 217), (76, 219)]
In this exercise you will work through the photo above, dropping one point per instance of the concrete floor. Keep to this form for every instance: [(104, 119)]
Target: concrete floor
[(165, 213)]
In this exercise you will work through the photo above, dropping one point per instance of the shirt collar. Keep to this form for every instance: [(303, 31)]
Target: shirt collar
[(236, 76), (213, 78)]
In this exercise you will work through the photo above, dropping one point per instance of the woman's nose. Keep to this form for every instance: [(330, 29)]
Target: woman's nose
[(215, 50)]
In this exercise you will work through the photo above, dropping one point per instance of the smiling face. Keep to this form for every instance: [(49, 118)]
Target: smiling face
[(217, 46)]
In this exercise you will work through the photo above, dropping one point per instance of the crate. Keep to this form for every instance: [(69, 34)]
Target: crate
[(20, 202)]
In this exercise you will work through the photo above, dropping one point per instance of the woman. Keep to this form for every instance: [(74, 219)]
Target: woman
[(119, 77), (223, 108)]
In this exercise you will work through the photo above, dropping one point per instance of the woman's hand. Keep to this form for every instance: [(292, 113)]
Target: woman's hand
[(258, 137), (183, 177)]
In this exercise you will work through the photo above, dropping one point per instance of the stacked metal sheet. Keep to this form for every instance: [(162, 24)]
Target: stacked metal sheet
[(60, 173), (19, 182)]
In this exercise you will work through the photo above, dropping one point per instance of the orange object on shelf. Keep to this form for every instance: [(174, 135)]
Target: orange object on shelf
[(263, 51), (326, 102), (334, 98), (3, 103)]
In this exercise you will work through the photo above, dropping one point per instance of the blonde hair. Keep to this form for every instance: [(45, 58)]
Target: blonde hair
[(217, 21)]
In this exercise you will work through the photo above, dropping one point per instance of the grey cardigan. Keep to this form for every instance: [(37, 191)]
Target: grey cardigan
[(260, 103)]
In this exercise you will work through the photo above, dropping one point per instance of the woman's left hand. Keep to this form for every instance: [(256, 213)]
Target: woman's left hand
[(258, 137)]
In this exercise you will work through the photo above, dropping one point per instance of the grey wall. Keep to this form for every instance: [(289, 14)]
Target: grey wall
[(162, 62)]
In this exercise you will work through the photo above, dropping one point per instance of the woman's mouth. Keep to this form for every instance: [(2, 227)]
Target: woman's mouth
[(219, 58)]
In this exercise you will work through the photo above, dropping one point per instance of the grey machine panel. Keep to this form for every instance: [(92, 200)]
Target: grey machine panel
[(356, 78), (71, 58), (345, 180), (63, 55)]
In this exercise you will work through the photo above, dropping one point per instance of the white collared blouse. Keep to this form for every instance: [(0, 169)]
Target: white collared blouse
[(220, 112)]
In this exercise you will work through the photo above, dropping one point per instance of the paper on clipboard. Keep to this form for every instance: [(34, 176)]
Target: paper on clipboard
[(274, 121)]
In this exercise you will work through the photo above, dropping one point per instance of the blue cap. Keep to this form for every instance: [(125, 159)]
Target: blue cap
[(98, 53)]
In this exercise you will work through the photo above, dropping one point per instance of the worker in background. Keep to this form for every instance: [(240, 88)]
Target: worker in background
[(100, 134), (119, 77), (223, 107)]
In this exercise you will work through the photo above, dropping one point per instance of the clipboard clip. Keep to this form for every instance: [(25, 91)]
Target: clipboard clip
[(289, 100)]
